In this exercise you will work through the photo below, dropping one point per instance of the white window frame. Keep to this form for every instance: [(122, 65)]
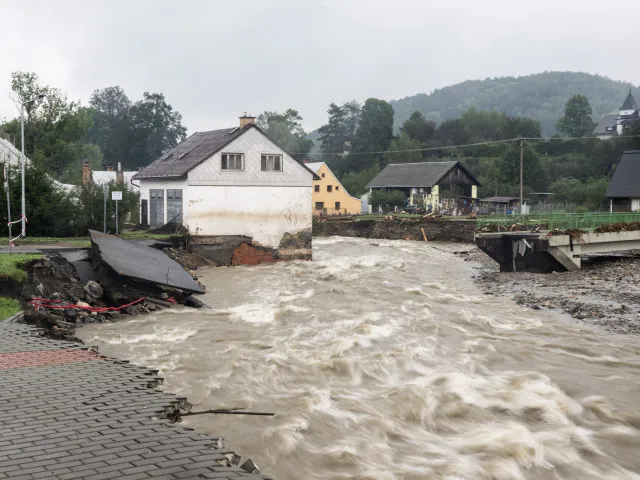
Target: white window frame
[(272, 157), (235, 155)]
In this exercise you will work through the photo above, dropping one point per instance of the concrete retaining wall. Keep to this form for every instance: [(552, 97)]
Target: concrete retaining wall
[(398, 229)]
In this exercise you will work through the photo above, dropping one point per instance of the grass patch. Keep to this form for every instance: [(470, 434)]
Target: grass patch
[(8, 307), (85, 242), (78, 241), (138, 235), (11, 263)]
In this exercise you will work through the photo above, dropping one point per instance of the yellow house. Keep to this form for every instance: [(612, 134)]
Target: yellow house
[(329, 196)]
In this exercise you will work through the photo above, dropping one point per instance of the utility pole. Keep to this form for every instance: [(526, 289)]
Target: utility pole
[(521, 175), (6, 188), (105, 190), (24, 218)]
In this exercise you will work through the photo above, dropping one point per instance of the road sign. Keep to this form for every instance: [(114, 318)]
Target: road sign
[(116, 195)]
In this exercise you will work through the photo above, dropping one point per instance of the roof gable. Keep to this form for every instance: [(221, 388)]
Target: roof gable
[(629, 103), (184, 157), (625, 182), (422, 174)]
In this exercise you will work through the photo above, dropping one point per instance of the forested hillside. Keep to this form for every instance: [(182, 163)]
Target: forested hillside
[(541, 96)]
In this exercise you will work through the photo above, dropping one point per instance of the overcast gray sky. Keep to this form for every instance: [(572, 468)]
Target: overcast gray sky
[(214, 60)]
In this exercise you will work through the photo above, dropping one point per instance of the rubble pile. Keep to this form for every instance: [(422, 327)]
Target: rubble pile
[(618, 227), (58, 299)]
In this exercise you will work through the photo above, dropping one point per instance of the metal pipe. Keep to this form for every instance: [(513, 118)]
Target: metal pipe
[(24, 223), (6, 187)]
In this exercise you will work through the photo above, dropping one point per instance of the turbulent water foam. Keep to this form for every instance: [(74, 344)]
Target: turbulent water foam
[(383, 361)]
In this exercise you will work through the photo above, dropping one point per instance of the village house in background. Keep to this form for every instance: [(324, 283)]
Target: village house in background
[(104, 177), (10, 156), (624, 189), (611, 125), (499, 205), (329, 196), (440, 187), (230, 187)]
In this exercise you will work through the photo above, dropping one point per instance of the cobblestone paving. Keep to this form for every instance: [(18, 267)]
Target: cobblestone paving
[(69, 413)]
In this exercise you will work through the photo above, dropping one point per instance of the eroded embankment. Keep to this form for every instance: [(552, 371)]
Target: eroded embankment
[(397, 228), (605, 292)]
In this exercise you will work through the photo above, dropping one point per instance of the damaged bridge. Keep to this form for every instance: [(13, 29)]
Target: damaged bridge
[(546, 251)]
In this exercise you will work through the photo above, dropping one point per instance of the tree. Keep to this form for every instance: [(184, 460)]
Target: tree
[(508, 169), (587, 194), (285, 129), (54, 127), (577, 120), (90, 210), (356, 182), (338, 134), (375, 130), (404, 149), (111, 116), (418, 128), (154, 127), (374, 133), (50, 211)]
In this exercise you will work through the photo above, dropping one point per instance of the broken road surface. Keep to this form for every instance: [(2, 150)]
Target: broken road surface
[(140, 262)]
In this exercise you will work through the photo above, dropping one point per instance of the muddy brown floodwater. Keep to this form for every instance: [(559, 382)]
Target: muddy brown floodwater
[(383, 361)]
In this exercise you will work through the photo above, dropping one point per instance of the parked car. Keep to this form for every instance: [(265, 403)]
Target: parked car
[(414, 209)]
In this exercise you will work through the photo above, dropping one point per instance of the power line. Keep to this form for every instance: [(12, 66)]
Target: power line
[(478, 144)]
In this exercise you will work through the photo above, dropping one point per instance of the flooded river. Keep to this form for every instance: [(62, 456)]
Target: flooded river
[(384, 361)]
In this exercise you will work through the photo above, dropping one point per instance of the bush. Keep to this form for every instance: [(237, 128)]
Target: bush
[(51, 212), (91, 207), (382, 198)]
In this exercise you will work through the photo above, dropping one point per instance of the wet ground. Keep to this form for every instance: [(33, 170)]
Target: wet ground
[(384, 360), (604, 293)]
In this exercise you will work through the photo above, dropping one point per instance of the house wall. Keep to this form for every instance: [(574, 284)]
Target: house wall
[(147, 185), (621, 205), (264, 213), (261, 205), (348, 204)]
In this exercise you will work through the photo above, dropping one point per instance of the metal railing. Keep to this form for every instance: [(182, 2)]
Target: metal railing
[(561, 221)]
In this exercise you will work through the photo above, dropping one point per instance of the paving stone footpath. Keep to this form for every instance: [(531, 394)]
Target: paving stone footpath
[(70, 413)]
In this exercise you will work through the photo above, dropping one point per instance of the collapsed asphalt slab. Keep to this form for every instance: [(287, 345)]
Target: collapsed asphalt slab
[(141, 262)]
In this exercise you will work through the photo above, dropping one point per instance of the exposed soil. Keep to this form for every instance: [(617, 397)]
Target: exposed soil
[(605, 292)]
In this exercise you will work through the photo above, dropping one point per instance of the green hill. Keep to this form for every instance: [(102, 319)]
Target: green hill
[(541, 96)]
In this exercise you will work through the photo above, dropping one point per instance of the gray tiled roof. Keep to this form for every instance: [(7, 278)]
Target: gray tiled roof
[(625, 182), (178, 161), (190, 153), (606, 121), (423, 174), (499, 199), (629, 103)]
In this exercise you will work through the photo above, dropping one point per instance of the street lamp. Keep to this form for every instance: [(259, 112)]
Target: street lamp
[(23, 159)]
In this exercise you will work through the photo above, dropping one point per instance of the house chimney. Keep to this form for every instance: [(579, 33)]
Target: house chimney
[(109, 168), (246, 120), (119, 175), (86, 174)]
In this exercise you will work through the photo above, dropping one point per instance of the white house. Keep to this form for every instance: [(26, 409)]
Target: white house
[(229, 182), (11, 156), (615, 124), (104, 177)]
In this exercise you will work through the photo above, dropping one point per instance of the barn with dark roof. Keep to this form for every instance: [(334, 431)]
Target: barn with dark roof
[(436, 186)]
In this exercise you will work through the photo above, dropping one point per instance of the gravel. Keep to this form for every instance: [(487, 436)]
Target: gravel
[(605, 292)]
